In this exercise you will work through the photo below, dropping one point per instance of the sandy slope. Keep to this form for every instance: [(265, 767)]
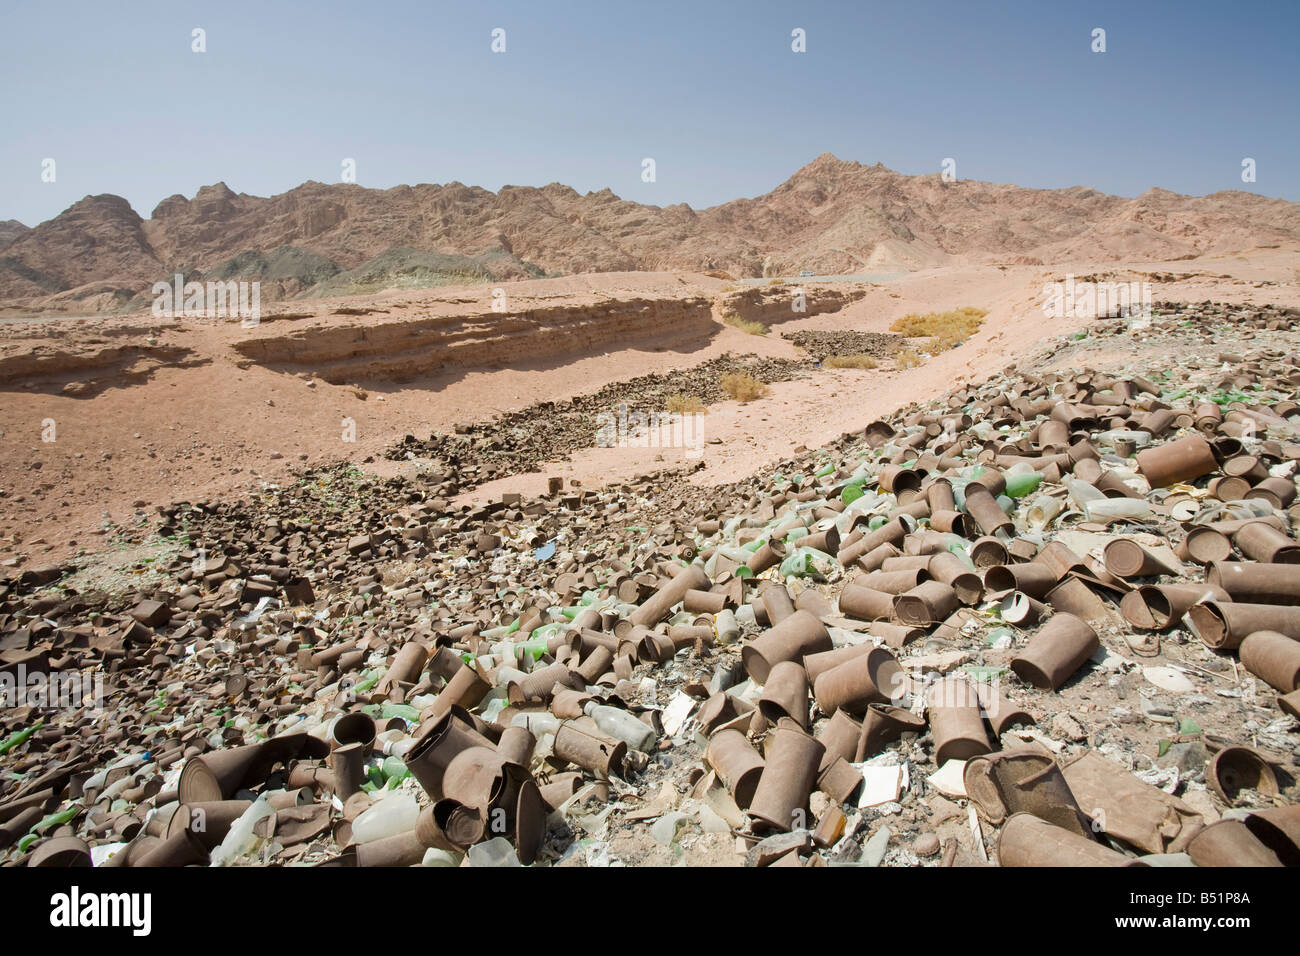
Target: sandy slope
[(186, 416)]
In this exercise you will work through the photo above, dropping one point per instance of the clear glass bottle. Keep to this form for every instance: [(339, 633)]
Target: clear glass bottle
[(622, 725)]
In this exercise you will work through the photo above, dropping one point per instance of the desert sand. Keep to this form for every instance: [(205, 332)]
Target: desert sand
[(147, 411)]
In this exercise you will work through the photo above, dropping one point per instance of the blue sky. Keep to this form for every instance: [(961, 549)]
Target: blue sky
[(585, 90)]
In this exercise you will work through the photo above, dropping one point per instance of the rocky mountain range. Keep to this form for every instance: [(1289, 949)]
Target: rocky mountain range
[(830, 217)]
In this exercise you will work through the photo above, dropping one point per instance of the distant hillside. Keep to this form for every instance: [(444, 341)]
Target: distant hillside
[(830, 217)]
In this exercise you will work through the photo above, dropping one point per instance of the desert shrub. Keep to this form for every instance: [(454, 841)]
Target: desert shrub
[(944, 329), (685, 404), (858, 360), (743, 387), (745, 325), (909, 358)]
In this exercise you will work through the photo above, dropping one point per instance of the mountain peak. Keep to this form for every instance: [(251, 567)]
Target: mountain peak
[(104, 205), (1156, 192), (832, 216), (825, 163), (215, 191), (10, 230)]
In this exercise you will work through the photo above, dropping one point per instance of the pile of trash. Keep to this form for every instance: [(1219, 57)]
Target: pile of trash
[(522, 441), (1052, 619), (822, 344)]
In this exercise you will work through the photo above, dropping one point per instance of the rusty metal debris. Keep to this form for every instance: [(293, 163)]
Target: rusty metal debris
[(818, 665)]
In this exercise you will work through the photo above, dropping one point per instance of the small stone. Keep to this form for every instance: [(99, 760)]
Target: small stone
[(1066, 727)]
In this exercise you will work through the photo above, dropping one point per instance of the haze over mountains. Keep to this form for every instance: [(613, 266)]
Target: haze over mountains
[(831, 217)]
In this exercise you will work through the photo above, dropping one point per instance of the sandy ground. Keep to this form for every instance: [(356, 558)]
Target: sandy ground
[(218, 426)]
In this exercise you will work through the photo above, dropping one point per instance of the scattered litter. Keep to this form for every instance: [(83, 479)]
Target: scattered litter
[(1168, 679), (949, 779)]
